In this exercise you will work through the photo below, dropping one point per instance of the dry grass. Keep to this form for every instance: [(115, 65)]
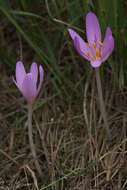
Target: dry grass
[(67, 137)]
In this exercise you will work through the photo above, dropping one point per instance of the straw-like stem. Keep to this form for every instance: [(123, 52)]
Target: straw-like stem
[(102, 104), (31, 140)]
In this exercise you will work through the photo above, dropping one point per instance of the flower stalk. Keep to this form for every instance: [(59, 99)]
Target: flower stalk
[(32, 146), (27, 84), (96, 51), (102, 104)]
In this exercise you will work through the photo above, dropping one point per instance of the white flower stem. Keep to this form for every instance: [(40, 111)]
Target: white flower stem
[(32, 147), (102, 104)]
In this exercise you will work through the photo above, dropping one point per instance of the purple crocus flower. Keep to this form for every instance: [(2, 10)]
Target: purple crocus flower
[(27, 82), (95, 51)]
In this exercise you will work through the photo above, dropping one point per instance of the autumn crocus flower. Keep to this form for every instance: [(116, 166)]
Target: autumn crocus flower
[(95, 50), (27, 82)]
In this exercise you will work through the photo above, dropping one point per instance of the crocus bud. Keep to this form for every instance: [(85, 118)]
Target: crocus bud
[(27, 82)]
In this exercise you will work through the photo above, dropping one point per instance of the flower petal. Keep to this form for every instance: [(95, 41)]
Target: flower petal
[(34, 71), (108, 44), (20, 73), (79, 43), (95, 63), (93, 31), (41, 79), (29, 88)]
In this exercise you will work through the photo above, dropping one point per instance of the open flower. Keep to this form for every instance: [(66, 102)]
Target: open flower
[(27, 82), (95, 50)]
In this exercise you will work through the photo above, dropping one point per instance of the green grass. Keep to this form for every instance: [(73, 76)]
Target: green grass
[(110, 13)]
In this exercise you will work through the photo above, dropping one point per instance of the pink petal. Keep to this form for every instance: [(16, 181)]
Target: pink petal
[(95, 63), (108, 44), (41, 79), (20, 73), (79, 43), (92, 28), (29, 88), (34, 71)]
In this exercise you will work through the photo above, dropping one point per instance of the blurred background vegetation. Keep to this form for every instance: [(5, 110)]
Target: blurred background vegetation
[(36, 30)]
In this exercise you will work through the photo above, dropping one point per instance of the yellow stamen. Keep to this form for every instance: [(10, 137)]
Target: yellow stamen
[(87, 45), (94, 46), (100, 43), (91, 57), (98, 53)]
